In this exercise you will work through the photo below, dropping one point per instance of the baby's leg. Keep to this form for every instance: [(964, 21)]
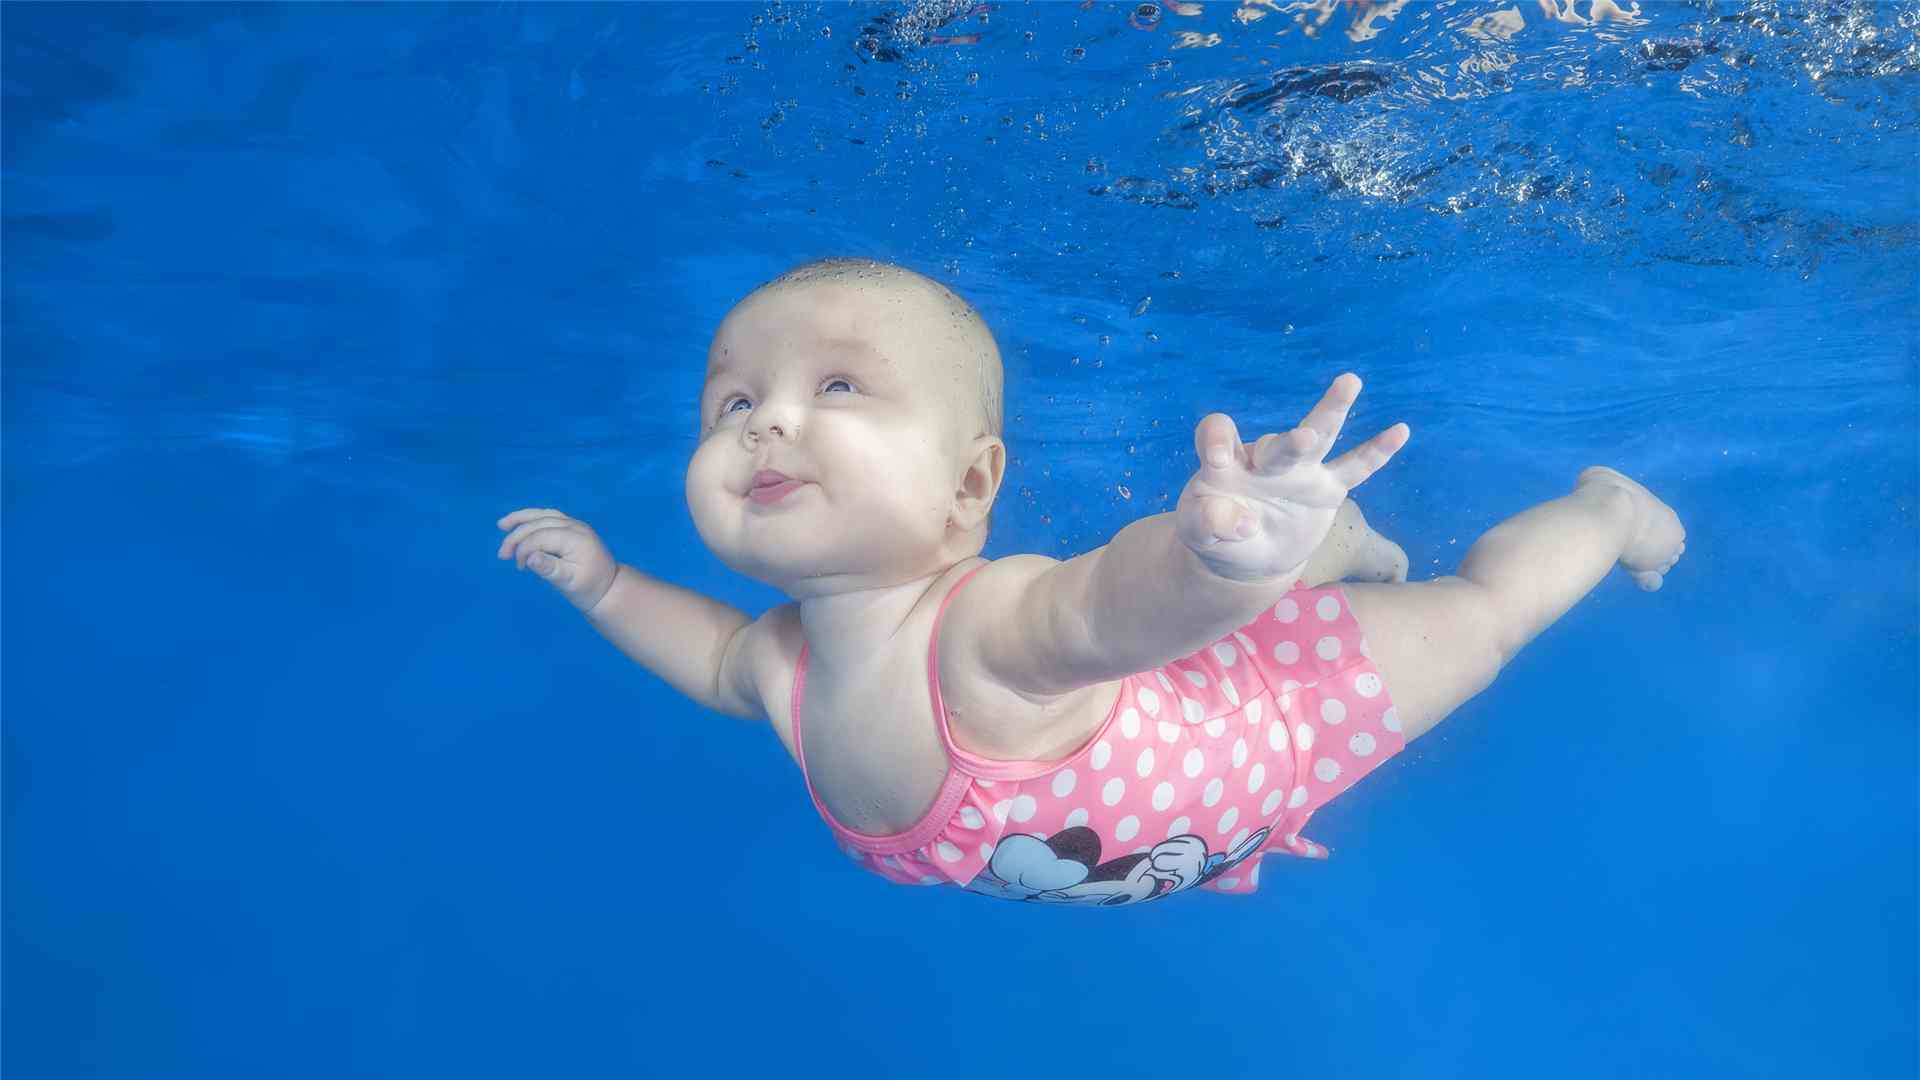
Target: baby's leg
[(1438, 643), (1352, 550)]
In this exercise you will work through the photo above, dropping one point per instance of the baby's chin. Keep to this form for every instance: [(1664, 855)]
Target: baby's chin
[(807, 555), (781, 576), (802, 575), (777, 564)]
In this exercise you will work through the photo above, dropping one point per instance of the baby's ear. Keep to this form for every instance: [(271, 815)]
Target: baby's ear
[(980, 484)]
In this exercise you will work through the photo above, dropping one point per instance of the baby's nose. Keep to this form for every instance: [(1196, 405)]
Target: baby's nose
[(774, 419)]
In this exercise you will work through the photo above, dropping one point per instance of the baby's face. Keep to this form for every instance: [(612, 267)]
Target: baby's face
[(837, 386)]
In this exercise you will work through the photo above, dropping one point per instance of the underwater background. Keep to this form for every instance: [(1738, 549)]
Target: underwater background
[(298, 299)]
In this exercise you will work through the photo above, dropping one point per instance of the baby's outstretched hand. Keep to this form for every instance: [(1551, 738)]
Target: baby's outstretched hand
[(568, 553), (1255, 512)]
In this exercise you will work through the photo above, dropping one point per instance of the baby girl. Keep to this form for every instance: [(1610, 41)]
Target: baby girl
[(1156, 714)]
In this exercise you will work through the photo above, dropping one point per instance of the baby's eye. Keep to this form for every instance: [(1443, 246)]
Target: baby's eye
[(727, 406), (831, 383)]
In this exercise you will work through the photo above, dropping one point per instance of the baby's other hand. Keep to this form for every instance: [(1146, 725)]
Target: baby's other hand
[(1256, 512), (568, 553)]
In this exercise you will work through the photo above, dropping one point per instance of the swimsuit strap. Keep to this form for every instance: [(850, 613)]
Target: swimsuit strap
[(952, 790), (964, 760), (958, 755)]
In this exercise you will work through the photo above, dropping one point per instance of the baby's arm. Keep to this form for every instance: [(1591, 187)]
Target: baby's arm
[(1170, 584), (1047, 628), (691, 642)]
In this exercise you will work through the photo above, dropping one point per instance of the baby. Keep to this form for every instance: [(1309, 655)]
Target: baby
[(1154, 715)]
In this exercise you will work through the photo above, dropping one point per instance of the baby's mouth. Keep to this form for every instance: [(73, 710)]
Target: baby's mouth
[(770, 487)]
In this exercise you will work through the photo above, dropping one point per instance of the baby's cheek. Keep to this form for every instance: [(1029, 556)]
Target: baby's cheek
[(710, 522), (702, 484)]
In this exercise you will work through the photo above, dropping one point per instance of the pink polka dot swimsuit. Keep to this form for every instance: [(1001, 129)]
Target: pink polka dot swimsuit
[(1203, 767)]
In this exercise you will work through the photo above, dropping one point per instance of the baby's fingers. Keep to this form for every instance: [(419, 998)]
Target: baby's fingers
[(519, 516), (556, 541), (1330, 415), (1278, 453), (1352, 468), (1217, 441), (1212, 520), (517, 524), (527, 528), (558, 571)]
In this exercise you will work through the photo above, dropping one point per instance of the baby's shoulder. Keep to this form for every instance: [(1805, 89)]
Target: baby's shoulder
[(996, 584), (988, 713), (770, 652), (991, 592), (774, 641), (982, 619)]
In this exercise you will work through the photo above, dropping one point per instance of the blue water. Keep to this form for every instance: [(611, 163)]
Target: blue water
[(301, 782)]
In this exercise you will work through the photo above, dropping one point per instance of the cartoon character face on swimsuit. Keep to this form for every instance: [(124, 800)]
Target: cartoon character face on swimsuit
[(839, 444), (1067, 868)]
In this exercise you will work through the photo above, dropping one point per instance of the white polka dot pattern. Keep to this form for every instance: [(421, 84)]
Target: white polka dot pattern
[(1213, 762)]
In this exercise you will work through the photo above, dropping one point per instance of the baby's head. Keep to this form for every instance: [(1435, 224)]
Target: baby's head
[(878, 390)]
